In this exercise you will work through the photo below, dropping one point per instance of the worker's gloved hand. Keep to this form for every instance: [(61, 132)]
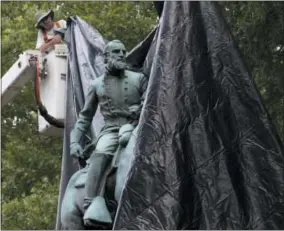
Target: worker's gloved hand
[(76, 150), (44, 47)]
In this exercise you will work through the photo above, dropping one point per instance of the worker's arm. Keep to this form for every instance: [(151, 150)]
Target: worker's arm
[(56, 40), (40, 40)]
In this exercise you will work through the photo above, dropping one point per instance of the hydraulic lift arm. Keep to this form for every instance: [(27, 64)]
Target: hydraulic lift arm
[(18, 76), (50, 71)]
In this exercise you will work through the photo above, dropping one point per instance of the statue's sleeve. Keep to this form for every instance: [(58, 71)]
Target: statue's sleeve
[(85, 116)]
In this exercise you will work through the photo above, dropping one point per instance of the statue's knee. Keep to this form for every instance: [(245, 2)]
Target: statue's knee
[(125, 133), (98, 161), (98, 154)]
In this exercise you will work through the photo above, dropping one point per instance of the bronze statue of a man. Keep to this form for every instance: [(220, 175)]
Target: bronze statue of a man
[(120, 94)]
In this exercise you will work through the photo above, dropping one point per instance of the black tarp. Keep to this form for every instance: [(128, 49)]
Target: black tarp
[(85, 63), (207, 155)]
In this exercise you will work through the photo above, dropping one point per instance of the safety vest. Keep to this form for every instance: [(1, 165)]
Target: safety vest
[(46, 40)]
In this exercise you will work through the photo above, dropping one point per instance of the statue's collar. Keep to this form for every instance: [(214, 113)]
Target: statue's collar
[(117, 74)]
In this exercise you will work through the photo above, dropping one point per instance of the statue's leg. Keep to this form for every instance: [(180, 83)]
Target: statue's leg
[(100, 160), (99, 164)]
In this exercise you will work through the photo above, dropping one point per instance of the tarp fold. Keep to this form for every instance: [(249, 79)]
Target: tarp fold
[(207, 155)]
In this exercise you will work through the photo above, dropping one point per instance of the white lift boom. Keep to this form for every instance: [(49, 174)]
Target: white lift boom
[(52, 83)]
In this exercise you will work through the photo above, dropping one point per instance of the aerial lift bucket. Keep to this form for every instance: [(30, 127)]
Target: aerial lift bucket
[(53, 89)]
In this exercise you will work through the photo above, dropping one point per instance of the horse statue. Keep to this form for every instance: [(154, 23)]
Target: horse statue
[(72, 208)]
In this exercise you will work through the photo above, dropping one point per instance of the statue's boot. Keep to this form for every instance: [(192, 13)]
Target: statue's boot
[(97, 212)]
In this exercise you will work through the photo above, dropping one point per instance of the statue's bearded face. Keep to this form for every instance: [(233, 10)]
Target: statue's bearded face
[(116, 56)]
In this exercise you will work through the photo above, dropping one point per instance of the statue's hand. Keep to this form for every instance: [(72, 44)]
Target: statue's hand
[(76, 150), (134, 109), (124, 134)]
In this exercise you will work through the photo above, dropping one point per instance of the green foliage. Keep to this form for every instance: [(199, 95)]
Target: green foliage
[(258, 28), (35, 211)]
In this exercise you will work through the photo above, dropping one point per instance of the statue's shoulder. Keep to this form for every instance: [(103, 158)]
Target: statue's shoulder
[(133, 74), (100, 78), (97, 81)]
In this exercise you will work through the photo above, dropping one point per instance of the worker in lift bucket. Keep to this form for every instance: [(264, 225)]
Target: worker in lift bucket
[(48, 30)]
